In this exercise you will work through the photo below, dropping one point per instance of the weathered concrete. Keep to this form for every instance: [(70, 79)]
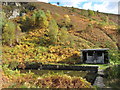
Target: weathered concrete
[(61, 67), (99, 82), (91, 76), (99, 79)]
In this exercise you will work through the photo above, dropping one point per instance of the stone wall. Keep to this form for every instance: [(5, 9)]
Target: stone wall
[(61, 67)]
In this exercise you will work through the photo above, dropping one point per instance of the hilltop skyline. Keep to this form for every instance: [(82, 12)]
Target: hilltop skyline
[(108, 6)]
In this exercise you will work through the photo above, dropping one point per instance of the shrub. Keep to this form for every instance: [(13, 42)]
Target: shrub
[(62, 81), (53, 31), (114, 72), (114, 56), (33, 19), (71, 40), (48, 14), (118, 29), (105, 19), (90, 13), (101, 25), (41, 19), (67, 20), (8, 34), (84, 13), (89, 27), (113, 77), (63, 35), (38, 19), (73, 9), (26, 23), (57, 15)]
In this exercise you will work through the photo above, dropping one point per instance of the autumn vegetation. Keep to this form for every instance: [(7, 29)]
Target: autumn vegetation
[(46, 36)]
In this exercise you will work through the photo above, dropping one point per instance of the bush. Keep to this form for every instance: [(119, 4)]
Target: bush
[(89, 27), (62, 81), (53, 31), (38, 19), (112, 80), (114, 56), (8, 34), (101, 25), (105, 19), (114, 72), (63, 35), (118, 29), (42, 19), (48, 14), (84, 13), (90, 13), (67, 20)]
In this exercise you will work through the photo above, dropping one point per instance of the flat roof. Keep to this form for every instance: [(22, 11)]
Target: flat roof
[(102, 49)]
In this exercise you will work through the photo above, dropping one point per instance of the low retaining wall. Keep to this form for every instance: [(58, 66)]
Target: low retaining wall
[(90, 77), (61, 67)]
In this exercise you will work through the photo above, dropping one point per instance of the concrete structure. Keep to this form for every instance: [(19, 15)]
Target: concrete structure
[(95, 56)]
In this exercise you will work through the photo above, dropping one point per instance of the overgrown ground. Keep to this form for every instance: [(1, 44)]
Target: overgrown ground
[(51, 34)]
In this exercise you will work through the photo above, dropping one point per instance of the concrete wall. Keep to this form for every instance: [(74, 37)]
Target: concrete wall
[(92, 59)]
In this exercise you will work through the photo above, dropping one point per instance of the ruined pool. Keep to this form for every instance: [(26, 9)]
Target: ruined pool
[(89, 76), (68, 72)]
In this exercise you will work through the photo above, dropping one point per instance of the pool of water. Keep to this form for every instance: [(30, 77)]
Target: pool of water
[(89, 76), (68, 72)]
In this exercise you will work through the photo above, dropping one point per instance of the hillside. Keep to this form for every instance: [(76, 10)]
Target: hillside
[(100, 32), (35, 34), (81, 20), (66, 30)]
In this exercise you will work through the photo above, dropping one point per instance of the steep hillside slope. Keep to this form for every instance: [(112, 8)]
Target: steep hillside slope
[(52, 34), (95, 27), (39, 33), (103, 25)]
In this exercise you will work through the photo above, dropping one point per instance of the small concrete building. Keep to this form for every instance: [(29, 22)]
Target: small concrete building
[(95, 56)]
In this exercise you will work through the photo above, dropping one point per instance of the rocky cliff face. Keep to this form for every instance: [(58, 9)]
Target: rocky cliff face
[(14, 3), (15, 13), (14, 9)]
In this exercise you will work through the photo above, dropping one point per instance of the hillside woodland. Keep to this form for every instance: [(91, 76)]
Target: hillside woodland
[(50, 34)]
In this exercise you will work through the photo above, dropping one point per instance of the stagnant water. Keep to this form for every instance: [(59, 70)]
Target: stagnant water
[(68, 72), (89, 76)]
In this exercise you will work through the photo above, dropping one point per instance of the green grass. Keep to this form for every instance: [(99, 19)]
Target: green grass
[(101, 66)]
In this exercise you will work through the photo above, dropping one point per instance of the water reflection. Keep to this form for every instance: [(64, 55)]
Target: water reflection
[(68, 72)]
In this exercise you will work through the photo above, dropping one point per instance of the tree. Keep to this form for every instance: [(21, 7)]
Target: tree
[(38, 18), (53, 31), (8, 34), (42, 19), (71, 40), (2, 19), (17, 33), (58, 3), (48, 14), (63, 36), (25, 23), (33, 19), (90, 13), (67, 20)]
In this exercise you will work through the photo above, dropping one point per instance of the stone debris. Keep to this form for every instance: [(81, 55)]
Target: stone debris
[(99, 82), (99, 79)]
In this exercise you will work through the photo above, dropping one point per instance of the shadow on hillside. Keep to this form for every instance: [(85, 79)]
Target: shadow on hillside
[(74, 59)]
